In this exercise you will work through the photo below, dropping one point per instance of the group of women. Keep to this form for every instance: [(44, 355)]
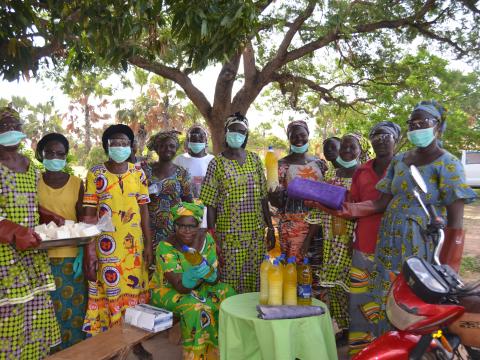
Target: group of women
[(224, 212)]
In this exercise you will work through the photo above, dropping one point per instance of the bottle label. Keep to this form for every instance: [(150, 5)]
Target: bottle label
[(304, 291)]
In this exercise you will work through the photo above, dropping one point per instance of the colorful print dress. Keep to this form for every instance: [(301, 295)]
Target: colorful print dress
[(237, 191), (399, 235), (198, 310), (292, 226), (28, 327), (165, 194), (122, 278), (334, 276)]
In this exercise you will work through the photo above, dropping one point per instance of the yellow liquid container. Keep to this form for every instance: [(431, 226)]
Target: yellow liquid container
[(339, 226), (275, 284), (195, 258), (271, 164), (290, 283), (304, 285), (264, 268)]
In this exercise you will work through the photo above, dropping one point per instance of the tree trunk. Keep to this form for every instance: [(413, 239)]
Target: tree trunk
[(217, 133), (88, 128)]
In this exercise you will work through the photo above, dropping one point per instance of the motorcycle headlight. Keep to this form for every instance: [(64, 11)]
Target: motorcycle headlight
[(425, 276)]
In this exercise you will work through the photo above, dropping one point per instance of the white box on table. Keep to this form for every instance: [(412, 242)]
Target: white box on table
[(149, 318)]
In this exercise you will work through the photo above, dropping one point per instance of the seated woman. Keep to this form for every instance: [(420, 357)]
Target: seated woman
[(190, 291)]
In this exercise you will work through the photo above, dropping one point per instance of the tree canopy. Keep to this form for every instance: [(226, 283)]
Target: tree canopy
[(336, 49)]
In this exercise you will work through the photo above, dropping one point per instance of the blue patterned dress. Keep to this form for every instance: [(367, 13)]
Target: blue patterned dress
[(399, 235)]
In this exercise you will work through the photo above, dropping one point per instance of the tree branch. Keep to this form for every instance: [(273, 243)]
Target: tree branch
[(249, 63), (223, 88), (175, 75)]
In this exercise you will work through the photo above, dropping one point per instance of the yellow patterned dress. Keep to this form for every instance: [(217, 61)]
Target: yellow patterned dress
[(122, 278)]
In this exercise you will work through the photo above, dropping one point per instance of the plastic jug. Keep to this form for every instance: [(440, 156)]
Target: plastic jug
[(271, 163), (304, 286), (264, 268), (195, 258), (275, 284), (290, 282)]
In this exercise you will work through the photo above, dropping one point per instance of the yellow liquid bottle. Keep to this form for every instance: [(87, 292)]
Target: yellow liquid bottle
[(339, 226), (264, 268), (290, 283), (304, 286), (271, 164), (275, 284), (195, 258)]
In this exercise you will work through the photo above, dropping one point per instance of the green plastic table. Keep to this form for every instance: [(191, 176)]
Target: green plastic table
[(243, 336)]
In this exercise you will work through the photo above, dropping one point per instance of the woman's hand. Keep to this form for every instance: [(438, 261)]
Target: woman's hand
[(47, 216), (276, 197), (270, 239), (148, 255)]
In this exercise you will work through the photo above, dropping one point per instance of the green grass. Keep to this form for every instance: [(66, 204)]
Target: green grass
[(470, 264)]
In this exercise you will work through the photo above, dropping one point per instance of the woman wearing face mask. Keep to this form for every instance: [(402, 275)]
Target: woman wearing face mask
[(383, 138), (196, 159), (116, 263), (292, 226), (62, 194), (399, 235), (235, 192), (334, 277), (29, 328), (169, 184)]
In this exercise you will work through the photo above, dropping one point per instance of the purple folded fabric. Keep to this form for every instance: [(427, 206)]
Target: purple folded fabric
[(266, 312), (331, 196)]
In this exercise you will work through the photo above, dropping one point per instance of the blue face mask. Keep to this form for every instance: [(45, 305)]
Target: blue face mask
[(196, 147), (119, 153), (299, 149), (346, 164), (422, 137), (11, 138), (54, 164), (235, 140)]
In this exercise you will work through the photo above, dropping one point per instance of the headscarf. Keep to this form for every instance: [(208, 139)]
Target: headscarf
[(388, 127), (365, 146), (46, 139), (236, 118), (197, 126), (116, 129), (162, 135), (299, 123), (7, 112), (187, 209), (434, 108)]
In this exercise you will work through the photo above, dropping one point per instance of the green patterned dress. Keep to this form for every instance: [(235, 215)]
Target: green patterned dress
[(334, 276), (400, 230), (237, 191), (28, 327), (198, 310)]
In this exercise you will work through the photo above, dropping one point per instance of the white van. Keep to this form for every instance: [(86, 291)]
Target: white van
[(471, 163)]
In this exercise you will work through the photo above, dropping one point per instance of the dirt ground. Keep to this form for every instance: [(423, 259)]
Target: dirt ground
[(472, 227)]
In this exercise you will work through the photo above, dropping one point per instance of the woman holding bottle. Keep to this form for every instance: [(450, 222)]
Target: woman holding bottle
[(192, 292)]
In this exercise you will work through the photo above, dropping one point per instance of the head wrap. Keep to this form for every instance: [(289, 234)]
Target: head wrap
[(162, 135), (116, 129), (7, 112), (196, 126), (366, 150), (48, 138), (236, 118), (387, 127), (299, 123), (187, 209), (437, 110)]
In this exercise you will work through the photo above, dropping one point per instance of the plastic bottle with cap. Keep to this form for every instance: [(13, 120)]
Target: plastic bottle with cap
[(304, 286), (271, 164), (275, 284), (290, 282), (195, 258), (264, 268)]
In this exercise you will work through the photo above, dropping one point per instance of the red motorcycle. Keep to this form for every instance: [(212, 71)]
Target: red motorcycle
[(435, 314)]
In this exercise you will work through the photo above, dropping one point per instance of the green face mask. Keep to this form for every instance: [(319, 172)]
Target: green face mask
[(54, 164), (235, 140), (346, 164), (421, 138)]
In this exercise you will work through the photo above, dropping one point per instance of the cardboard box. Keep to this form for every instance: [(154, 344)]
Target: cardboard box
[(149, 318)]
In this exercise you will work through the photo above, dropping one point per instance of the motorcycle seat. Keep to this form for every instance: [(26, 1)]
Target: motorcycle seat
[(471, 304)]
